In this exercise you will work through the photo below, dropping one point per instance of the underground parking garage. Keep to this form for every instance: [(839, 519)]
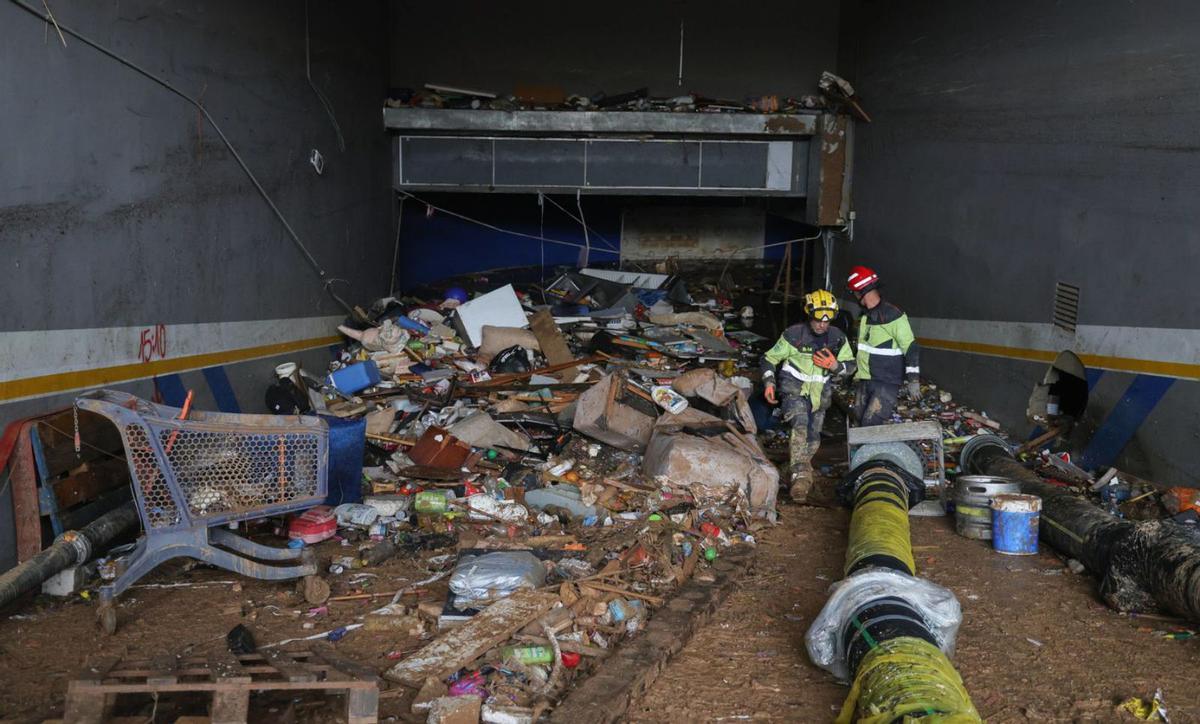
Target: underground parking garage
[(646, 362)]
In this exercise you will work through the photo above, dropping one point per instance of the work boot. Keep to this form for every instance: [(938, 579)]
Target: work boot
[(801, 484)]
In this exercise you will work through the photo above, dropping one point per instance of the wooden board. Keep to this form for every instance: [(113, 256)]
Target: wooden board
[(553, 344), (462, 645), (228, 679)]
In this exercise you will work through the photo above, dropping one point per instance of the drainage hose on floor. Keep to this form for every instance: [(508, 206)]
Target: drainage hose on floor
[(1141, 565), (69, 549), (907, 679), (891, 630), (879, 534)]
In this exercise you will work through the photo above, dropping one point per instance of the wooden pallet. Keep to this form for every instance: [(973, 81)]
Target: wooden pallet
[(230, 678)]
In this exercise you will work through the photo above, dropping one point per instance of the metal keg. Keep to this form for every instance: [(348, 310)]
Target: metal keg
[(972, 503)]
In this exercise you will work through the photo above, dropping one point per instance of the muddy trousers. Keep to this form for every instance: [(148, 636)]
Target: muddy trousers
[(875, 402), (805, 435)]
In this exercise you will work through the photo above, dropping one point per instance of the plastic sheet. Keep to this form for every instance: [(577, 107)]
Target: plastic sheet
[(494, 575), (937, 606), (907, 679)]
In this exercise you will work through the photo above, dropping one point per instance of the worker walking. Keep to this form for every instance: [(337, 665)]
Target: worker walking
[(809, 355), (887, 352)]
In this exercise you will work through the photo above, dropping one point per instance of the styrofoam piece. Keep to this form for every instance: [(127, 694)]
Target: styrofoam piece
[(641, 280), (499, 308)]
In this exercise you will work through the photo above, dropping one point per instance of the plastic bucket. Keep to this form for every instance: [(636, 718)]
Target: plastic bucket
[(1015, 523), (973, 503)]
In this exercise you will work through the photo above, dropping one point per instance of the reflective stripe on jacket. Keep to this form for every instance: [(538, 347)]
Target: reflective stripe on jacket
[(793, 355), (887, 350)]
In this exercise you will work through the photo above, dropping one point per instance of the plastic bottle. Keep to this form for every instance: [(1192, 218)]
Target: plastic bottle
[(529, 655), (430, 501)]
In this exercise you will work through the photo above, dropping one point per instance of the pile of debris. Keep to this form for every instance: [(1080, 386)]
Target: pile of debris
[(835, 94), (580, 460)]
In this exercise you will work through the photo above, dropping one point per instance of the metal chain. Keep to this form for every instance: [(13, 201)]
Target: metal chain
[(75, 418)]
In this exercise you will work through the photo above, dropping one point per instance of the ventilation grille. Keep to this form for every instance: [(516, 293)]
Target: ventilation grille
[(1066, 306)]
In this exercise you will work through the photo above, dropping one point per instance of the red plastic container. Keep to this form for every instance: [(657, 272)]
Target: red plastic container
[(313, 525)]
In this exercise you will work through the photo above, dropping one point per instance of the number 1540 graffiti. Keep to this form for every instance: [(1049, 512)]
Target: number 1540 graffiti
[(153, 343)]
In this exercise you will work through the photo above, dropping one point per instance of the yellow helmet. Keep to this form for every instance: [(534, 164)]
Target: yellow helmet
[(821, 305)]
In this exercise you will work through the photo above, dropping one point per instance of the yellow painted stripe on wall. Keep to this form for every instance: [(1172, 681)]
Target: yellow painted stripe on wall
[(83, 379), (1182, 370)]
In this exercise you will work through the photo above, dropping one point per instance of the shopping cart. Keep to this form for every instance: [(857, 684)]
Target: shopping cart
[(192, 477)]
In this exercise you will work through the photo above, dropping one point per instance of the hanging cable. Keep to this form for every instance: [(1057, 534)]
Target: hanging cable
[(312, 261), (320, 96), (580, 221), (542, 244), (396, 250), (493, 227), (587, 252)]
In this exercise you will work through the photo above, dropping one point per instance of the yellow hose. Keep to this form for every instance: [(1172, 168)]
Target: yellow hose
[(910, 680), (879, 526)]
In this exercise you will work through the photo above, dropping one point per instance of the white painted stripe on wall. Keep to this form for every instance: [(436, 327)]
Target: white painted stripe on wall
[(35, 353), (1146, 343)]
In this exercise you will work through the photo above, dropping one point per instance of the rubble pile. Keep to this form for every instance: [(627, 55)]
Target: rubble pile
[(560, 468)]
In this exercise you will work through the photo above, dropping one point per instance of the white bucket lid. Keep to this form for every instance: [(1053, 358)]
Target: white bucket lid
[(1017, 503), (287, 369)]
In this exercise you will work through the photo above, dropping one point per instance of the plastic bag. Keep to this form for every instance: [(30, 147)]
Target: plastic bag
[(938, 607), (494, 575), (355, 514), (482, 506)]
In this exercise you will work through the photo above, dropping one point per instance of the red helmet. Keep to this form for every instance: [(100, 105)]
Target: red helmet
[(862, 279)]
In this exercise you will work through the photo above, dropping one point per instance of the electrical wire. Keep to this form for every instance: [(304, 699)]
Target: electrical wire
[(312, 261), (580, 221), (396, 250), (320, 96), (587, 253), (493, 227)]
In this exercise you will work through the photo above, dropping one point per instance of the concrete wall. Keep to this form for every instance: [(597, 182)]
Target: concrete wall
[(771, 47), (120, 208), (1019, 144), (122, 214)]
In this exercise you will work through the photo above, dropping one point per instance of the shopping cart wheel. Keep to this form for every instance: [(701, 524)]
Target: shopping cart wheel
[(106, 616)]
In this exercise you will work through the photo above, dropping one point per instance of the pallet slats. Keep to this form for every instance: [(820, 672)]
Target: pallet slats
[(230, 679)]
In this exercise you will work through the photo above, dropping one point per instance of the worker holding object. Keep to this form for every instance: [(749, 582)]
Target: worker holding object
[(808, 356)]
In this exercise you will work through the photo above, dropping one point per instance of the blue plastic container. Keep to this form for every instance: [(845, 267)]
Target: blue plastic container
[(356, 377), (347, 442), (1015, 519)]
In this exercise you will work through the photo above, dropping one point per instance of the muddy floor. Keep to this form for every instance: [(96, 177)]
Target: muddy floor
[(1035, 643), (182, 609)]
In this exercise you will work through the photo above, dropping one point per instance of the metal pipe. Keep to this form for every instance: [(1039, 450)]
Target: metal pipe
[(70, 548), (1140, 564)]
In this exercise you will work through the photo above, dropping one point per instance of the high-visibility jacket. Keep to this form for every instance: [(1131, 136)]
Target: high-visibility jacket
[(887, 350), (792, 354)]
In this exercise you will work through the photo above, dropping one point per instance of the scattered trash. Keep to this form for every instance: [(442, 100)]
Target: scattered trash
[(1153, 710)]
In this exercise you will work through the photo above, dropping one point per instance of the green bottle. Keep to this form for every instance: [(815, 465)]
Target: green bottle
[(529, 655)]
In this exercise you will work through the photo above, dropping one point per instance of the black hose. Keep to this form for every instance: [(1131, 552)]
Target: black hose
[(71, 547), (1141, 565)]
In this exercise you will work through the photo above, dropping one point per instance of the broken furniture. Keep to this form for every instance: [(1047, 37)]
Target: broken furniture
[(193, 477), (612, 411), (92, 695)]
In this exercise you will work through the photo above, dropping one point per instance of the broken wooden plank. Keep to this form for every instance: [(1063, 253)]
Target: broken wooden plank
[(553, 344), (462, 645)]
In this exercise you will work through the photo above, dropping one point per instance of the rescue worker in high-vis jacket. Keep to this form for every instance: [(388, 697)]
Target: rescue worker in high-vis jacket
[(808, 356), (887, 352)]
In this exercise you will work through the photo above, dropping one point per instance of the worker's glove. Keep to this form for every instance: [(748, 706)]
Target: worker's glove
[(825, 359), (769, 393), (913, 388)]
